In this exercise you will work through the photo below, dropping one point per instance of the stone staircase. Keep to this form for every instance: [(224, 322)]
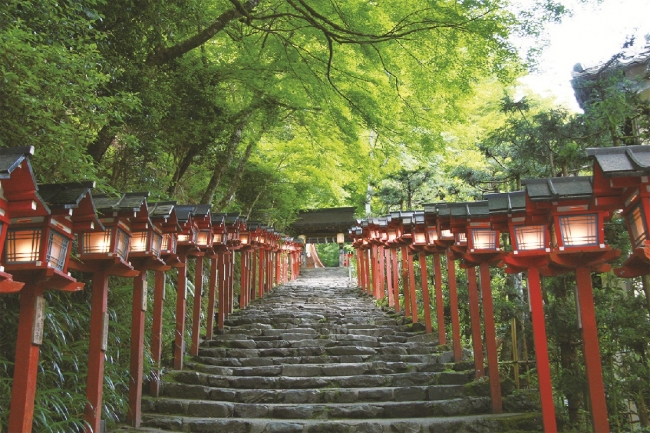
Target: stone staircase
[(317, 356)]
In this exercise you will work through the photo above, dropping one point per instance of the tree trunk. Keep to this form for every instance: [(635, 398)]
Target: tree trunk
[(233, 143), (181, 169), (98, 148), (162, 55), (227, 197)]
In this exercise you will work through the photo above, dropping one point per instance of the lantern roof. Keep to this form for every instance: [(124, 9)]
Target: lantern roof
[(184, 212), (218, 219), (135, 202), (559, 188), (506, 202), (418, 217), (75, 199), (163, 213), (622, 160), (232, 218), (19, 186), (470, 209)]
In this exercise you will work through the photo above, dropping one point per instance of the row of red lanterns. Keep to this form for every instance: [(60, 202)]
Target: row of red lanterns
[(124, 236), (556, 226)]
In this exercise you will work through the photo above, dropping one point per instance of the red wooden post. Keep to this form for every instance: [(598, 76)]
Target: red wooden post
[(278, 264), (196, 317), (382, 271), (253, 272), (405, 282), (541, 351), (134, 417), (591, 350), (475, 317), (393, 253), (372, 269), (440, 307), (242, 281), (389, 278), (453, 304), (261, 274), (97, 348), (156, 332), (411, 288), (490, 339), (221, 312), (424, 283), (212, 289), (229, 284), (21, 411), (179, 338), (366, 270)]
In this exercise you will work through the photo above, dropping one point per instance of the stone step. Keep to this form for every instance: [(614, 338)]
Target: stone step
[(327, 395), (199, 385), (384, 409), (514, 422), (322, 369), (439, 358), (318, 349)]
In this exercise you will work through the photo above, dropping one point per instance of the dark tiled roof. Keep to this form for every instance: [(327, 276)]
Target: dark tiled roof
[(622, 160), (10, 159), (558, 188), (162, 209), (325, 217), (506, 202), (64, 195), (184, 212), (469, 209)]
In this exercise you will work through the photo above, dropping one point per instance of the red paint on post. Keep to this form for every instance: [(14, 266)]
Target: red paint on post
[(591, 350), (21, 411), (212, 294), (196, 316), (490, 339), (411, 288), (393, 254), (475, 317), (440, 307), (424, 282), (180, 314), (95, 378), (453, 305), (405, 282), (541, 351), (156, 332), (389, 277), (134, 417)]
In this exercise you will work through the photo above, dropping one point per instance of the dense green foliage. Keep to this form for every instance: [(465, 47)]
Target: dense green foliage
[(271, 106)]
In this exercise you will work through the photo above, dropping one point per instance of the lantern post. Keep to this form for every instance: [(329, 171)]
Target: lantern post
[(220, 247), (144, 255), (74, 201), (234, 223), (418, 245), (433, 246), (36, 252), (186, 245), (203, 221), (393, 236), (483, 250), (577, 244), (456, 241), (530, 242), (163, 215), (103, 253)]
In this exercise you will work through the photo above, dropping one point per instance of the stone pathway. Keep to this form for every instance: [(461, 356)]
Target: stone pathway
[(316, 356)]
